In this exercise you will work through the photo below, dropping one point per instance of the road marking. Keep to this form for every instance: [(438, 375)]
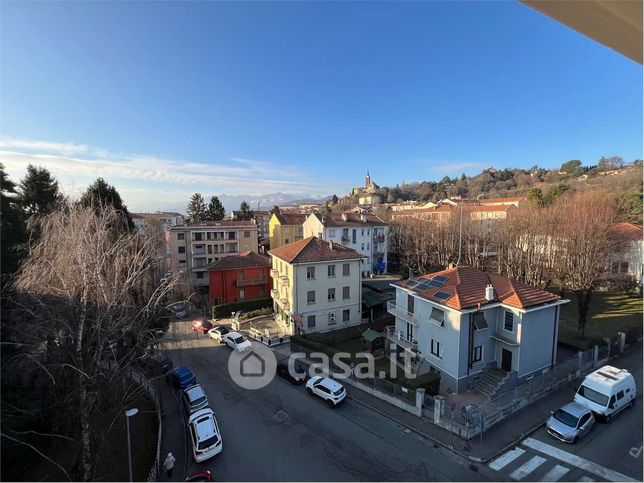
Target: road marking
[(506, 459), (635, 452), (555, 473), (604, 473), (524, 470), (585, 478)]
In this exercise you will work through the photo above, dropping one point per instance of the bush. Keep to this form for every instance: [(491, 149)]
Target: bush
[(224, 310), (266, 311), (430, 381)]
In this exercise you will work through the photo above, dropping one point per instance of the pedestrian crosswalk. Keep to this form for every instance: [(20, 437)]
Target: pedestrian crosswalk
[(535, 460)]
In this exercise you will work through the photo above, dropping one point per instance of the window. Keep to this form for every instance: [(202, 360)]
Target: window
[(198, 237), (331, 294), (240, 275), (231, 235), (509, 321), (331, 233), (346, 315), (181, 249), (182, 263), (620, 395), (437, 317), (246, 234), (209, 249), (346, 293), (477, 354), (624, 267), (331, 271), (246, 247), (435, 348), (310, 321), (286, 241), (310, 273), (362, 232), (615, 267), (346, 269), (181, 236), (410, 304), (362, 246), (479, 321), (353, 235), (310, 297), (199, 274), (242, 294), (583, 420), (367, 246)]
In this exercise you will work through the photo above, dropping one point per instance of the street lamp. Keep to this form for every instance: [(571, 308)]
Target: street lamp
[(128, 414)]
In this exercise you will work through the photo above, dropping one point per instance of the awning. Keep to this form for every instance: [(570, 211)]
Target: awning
[(505, 340), (370, 335)]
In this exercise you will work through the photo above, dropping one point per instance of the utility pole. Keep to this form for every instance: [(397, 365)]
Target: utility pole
[(130, 412)]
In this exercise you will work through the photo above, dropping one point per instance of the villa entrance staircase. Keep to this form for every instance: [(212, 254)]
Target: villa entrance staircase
[(491, 382)]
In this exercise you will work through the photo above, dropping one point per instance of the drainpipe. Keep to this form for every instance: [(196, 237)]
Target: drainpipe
[(470, 343), (554, 338)]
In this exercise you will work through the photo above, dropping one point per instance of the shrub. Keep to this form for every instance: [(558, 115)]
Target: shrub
[(266, 311), (430, 381), (224, 310)]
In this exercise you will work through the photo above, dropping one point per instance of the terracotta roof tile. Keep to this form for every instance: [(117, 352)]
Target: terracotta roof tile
[(466, 287), (313, 250), (626, 231), (512, 199), (291, 218), (214, 224), (243, 260)]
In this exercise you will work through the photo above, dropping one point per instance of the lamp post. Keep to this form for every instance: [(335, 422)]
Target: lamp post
[(129, 413)]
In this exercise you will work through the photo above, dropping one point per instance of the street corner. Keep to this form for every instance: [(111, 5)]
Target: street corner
[(254, 368)]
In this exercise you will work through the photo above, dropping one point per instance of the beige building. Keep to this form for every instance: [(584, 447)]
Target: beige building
[(194, 246), (316, 286), (285, 228)]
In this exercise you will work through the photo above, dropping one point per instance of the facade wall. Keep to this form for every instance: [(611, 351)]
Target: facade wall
[(539, 333), (626, 261), (223, 286), (283, 234)]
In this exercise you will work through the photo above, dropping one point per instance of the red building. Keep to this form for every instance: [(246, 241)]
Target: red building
[(239, 277)]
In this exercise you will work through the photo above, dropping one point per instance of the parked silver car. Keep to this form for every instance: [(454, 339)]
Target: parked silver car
[(570, 422)]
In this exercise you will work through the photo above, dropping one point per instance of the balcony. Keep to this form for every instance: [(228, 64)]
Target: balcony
[(285, 303), (275, 273), (274, 293), (401, 313), (198, 251), (345, 238), (250, 281), (379, 238), (284, 281), (397, 338)]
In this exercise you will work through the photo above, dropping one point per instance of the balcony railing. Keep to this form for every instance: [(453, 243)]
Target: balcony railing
[(274, 293), (284, 281), (401, 313), (251, 281), (275, 273), (379, 238), (345, 238), (398, 338), (198, 251), (285, 303)]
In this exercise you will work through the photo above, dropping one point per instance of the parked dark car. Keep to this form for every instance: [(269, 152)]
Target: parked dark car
[(299, 376), (181, 378), (161, 362), (200, 476), (201, 325)]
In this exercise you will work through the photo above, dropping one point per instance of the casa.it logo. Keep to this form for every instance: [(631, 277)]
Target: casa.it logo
[(254, 368)]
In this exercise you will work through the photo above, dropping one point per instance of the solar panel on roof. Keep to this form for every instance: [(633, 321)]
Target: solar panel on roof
[(442, 295), (440, 278), (423, 285), (435, 283), (411, 283)]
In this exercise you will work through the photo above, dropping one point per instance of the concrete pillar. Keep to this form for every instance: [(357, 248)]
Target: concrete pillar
[(420, 399), (439, 408), (595, 355), (622, 342), (579, 358)]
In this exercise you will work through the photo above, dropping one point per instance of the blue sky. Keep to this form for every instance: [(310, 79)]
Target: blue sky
[(165, 99)]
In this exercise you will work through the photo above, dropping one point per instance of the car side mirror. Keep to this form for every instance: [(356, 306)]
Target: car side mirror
[(612, 406), (552, 412)]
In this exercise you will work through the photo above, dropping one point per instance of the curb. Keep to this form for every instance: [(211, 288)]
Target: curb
[(474, 459)]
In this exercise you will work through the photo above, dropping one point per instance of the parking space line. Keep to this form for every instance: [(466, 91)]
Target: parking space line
[(505, 459), (556, 473), (574, 460), (525, 469)]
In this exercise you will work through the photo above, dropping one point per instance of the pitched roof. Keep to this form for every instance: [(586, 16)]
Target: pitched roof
[(626, 231), (214, 224), (313, 250), (352, 219), (243, 260), (512, 199), (464, 288), (290, 218)]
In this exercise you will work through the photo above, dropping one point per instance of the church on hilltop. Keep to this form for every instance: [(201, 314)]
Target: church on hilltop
[(366, 195)]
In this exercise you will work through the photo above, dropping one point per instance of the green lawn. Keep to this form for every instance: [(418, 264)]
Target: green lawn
[(610, 313), (354, 346)]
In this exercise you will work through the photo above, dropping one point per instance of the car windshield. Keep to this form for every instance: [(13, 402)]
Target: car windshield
[(592, 395), (198, 401), (566, 418), (240, 339), (338, 392), (207, 443)]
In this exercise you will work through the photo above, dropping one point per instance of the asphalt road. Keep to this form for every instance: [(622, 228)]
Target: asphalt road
[(313, 442), (616, 446)]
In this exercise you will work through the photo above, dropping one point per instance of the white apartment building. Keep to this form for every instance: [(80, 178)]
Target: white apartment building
[(317, 286), (194, 246), (365, 233)]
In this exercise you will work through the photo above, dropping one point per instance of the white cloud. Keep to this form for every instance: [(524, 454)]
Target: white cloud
[(141, 178)]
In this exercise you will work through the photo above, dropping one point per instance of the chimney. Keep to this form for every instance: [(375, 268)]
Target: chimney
[(489, 293), (330, 244), (345, 217), (363, 217)]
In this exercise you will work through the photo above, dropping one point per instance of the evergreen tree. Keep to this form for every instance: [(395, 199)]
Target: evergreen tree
[(334, 200), (245, 213), (100, 194), (276, 209), (38, 191), (13, 233), (215, 210), (196, 209)]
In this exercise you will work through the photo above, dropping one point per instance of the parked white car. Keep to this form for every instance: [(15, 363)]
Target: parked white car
[(194, 398), (236, 341), (218, 333), (331, 391), (607, 391), (205, 435)]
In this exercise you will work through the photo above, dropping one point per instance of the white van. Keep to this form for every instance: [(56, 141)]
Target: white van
[(607, 391)]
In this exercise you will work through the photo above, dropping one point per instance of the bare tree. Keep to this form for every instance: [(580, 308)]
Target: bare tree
[(92, 294)]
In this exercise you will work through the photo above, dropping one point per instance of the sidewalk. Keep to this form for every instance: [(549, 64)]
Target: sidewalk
[(174, 434)]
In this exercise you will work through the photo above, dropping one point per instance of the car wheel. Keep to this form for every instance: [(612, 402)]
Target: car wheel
[(574, 440), (607, 418), (309, 390), (632, 403), (330, 403)]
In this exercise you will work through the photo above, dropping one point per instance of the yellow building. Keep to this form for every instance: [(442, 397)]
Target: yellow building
[(285, 228)]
